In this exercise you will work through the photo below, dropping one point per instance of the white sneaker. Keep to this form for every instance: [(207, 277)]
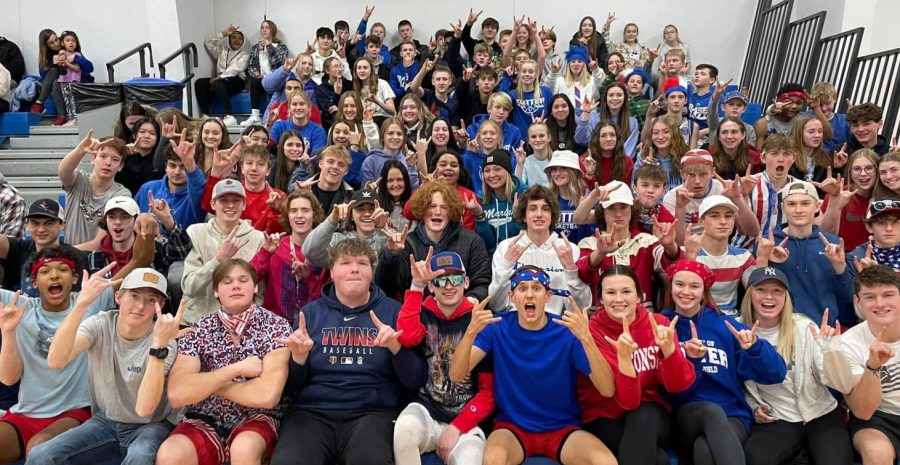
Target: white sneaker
[(229, 120), (253, 119), (72, 122)]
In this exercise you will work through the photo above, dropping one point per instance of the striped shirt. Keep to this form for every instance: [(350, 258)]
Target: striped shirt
[(765, 206), (731, 269)]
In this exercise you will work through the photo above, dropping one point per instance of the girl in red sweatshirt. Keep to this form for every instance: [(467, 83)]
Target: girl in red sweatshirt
[(642, 349)]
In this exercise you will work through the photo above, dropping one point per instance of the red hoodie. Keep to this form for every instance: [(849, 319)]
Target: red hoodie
[(414, 330), (675, 373), (257, 212)]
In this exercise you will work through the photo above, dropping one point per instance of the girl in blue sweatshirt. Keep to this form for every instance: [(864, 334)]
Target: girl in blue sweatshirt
[(488, 140), (712, 417), (501, 189)]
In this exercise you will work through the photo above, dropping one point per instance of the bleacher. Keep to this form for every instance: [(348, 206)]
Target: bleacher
[(779, 50)]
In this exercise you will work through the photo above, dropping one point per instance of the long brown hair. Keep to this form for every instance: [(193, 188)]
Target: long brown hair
[(722, 161), (868, 154), (45, 54), (370, 84), (881, 191), (618, 156), (284, 167), (624, 123), (819, 156), (677, 148)]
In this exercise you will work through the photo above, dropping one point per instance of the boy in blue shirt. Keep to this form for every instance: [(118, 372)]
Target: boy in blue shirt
[(536, 359)]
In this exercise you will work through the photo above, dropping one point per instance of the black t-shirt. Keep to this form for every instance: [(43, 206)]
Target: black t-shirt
[(138, 170), (17, 265), (326, 198)]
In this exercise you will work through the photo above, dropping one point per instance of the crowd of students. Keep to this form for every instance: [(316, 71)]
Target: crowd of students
[(586, 256)]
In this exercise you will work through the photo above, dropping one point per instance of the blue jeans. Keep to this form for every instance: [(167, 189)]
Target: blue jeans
[(100, 439)]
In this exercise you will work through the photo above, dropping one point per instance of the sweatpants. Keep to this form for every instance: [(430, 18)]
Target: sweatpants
[(341, 437)]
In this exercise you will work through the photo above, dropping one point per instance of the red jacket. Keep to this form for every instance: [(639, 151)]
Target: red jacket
[(260, 215), (674, 374), (410, 321), (642, 253)]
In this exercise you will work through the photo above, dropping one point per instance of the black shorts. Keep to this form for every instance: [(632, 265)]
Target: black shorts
[(885, 422)]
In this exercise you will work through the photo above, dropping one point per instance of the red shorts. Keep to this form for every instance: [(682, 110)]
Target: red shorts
[(548, 444), (27, 427), (211, 450)]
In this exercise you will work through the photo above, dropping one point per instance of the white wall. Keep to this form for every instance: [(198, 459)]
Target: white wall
[(720, 39)]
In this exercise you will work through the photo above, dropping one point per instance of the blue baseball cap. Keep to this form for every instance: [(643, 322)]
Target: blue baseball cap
[(448, 261)]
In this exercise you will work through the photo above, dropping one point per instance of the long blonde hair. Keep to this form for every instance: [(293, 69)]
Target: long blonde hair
[(370, 84), (574, 190), (786, 323), (819, 156), (520, 86)]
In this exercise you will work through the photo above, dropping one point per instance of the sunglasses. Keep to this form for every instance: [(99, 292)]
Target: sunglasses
[(881, 205), (453, 279)]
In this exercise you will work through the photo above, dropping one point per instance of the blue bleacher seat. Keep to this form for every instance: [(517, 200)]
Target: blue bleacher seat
[(50, 108), (240, 103), (17, 123), (432, 459), (753, 112)]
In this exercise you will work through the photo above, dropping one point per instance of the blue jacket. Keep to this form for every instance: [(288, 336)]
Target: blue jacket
[(345, 369), (361, 45), (511, 135), (86, 68), (401, 76), (722, 371), (498, 223), (185, 202), (371, 167), (354, 175), (814, 285), (273, 83)]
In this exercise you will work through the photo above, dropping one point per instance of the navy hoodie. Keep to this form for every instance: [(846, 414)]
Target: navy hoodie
[(720, 374), (345, 370), (813, 282)]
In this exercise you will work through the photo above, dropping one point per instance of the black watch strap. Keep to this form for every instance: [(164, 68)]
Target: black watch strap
[(160, 353)]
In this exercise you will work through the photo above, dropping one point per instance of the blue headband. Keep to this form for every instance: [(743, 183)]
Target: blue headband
[(531, 274)]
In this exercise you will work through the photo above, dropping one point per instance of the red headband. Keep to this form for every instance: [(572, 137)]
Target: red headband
[(695, 267), (787, 95), (39, 263)]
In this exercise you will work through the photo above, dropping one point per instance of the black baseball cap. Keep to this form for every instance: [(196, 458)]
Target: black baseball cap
[(47, 208), (363, 197), (766, 273)]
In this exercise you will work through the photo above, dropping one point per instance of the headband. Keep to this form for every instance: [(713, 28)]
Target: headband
[(39, 263), (695, 267), (535, 274), (786, 95)]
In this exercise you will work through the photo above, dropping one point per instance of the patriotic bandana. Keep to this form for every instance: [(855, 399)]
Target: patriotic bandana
[(695, 267), (535, 274), (236, 324), (885, 256)]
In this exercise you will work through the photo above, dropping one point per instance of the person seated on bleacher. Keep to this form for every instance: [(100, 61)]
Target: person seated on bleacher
[(263, 207), (265, 57), (733, 104), (863, 364), (324, 49), (227, 48), (346, 393), (87, 195), (229, 374), (129, 358), (123, 225), (50, 401), (131, 113), (865, 124), (444, 416), (779, 117), (44, 222), (5, 89), (139, 165), (541, 355), (12, 210), (223, 237), (181, 187), (328, 184)]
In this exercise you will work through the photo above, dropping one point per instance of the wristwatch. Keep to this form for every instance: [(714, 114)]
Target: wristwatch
[(160, 353)]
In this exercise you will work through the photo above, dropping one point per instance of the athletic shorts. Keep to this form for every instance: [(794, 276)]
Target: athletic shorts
[(28, 427), (885, 422), (209, 444), (549, 443)]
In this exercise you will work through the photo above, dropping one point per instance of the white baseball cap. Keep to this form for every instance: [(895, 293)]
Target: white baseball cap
[(716, 200), (621, 194), (124, 203), (140, 278)]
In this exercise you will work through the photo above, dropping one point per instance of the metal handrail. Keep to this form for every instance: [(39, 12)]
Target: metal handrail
[(188, 51), (140, 51)]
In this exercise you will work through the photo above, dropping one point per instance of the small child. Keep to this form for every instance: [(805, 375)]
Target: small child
[(68, 53)]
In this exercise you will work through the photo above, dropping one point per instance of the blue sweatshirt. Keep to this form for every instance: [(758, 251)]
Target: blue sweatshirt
[(185, 202), (361, 45), (532, 105), (354, 175), (312, 134), (814, 284), (511, 135), (722, 371), (401, 76), (498, 223), (345, 369), (371, 167)]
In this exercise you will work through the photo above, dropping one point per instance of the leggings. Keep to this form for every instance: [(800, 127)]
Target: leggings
[(708, 436), (638, 438), (221, 90), (825, 439), (51, 87), (259, 98)]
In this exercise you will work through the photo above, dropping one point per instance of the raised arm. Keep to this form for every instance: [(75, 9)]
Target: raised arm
[(10, 315), (466, 356), (165, 331), (68, 166)]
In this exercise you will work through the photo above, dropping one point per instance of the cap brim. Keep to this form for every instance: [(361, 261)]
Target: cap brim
[(44, 215), (883, 212)]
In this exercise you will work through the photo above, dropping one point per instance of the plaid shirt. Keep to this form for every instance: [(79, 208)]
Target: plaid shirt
[(276, 52), (12, 210)]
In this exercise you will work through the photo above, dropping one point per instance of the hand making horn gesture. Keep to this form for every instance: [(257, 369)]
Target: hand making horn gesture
[(879, 353), (576, 319), (421, 271), (625, 348), (517, 247), (11, 314), (340, 212), (746, 337), (396, 242), (230, 245), (825, 332), (867, 261), (166, 327), (387, 337), (664, 335), (299, 342), (481, 317), (835, 253), (694, 347)]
